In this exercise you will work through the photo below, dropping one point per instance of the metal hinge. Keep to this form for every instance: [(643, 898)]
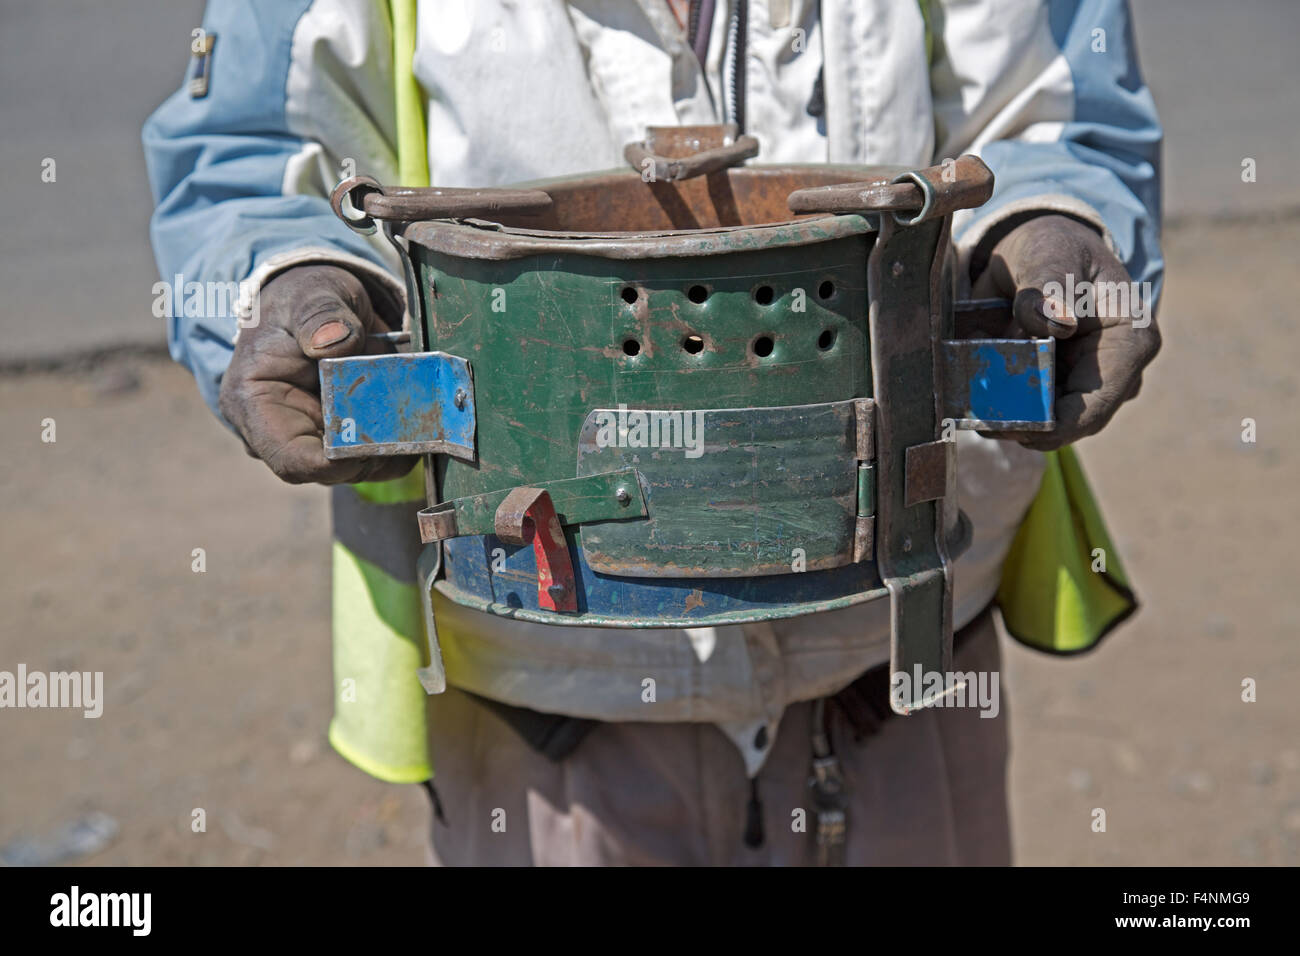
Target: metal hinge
[(864, 530)]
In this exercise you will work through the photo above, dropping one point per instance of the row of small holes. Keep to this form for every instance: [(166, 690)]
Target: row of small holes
[(763, 295), (763, 345)]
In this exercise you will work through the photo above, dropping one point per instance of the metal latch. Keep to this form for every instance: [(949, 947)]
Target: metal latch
[(528, 515), (605, 497)]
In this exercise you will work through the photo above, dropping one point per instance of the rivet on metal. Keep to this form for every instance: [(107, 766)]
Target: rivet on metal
[(907, 544), (623, 496), (898, 268), (460, 397)]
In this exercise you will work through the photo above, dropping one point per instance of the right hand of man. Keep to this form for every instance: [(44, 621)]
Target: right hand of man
[(271, 391)]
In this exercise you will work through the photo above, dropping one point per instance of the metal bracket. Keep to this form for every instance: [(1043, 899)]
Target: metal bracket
[(991, 384), (929, 471), (409, 403), (605, 497), (527, 514)]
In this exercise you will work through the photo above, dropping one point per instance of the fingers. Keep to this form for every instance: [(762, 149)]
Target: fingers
[(1103, 366), (302, 460), (1078, 414), (1122, 304), (1038, 441), (282, 425), (388, 469)]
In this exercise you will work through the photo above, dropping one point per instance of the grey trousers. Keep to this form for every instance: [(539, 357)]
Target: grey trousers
[(927, 789)]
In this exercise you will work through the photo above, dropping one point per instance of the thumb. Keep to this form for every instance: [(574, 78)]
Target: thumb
[(330, 330), (1040, 306)]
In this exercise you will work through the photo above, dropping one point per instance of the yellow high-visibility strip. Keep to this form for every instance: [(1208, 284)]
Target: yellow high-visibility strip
[(380, 708), (931, 47), (412, 142), (408, 488)]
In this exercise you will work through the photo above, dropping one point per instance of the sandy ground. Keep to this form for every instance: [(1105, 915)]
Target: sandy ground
[(218, 683)]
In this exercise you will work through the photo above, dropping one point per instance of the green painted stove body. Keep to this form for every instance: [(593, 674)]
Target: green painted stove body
[(759, 523)]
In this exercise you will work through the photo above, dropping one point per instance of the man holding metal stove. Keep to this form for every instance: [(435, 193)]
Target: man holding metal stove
[(833, 234)]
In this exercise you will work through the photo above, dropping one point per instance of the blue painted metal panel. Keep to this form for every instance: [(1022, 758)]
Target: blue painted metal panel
[(1000, 383), (484, 572), (412, 403)]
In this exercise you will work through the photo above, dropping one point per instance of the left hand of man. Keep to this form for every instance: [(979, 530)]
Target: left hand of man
[(1103, 347)]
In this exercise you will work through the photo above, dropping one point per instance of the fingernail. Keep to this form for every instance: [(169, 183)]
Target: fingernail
[(329, 334), (1053, 310)]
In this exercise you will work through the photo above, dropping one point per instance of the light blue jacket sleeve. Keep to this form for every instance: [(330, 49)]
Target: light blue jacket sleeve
[(240, 176), (1056, 106)]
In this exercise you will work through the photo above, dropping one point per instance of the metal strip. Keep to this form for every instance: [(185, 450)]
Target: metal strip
[(963, 183), (904, 325), (675, 153), (509, 588), (868, 196), (433, 676), (370, 201)]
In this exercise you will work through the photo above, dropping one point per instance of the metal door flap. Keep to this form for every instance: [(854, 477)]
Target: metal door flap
[(753, 490)]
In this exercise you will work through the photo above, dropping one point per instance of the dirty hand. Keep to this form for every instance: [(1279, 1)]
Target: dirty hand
[(1104, 345), (271, 391)]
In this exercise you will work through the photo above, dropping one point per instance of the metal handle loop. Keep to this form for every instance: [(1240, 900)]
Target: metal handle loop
[(674, 153), (930, 193), (412, 204)]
